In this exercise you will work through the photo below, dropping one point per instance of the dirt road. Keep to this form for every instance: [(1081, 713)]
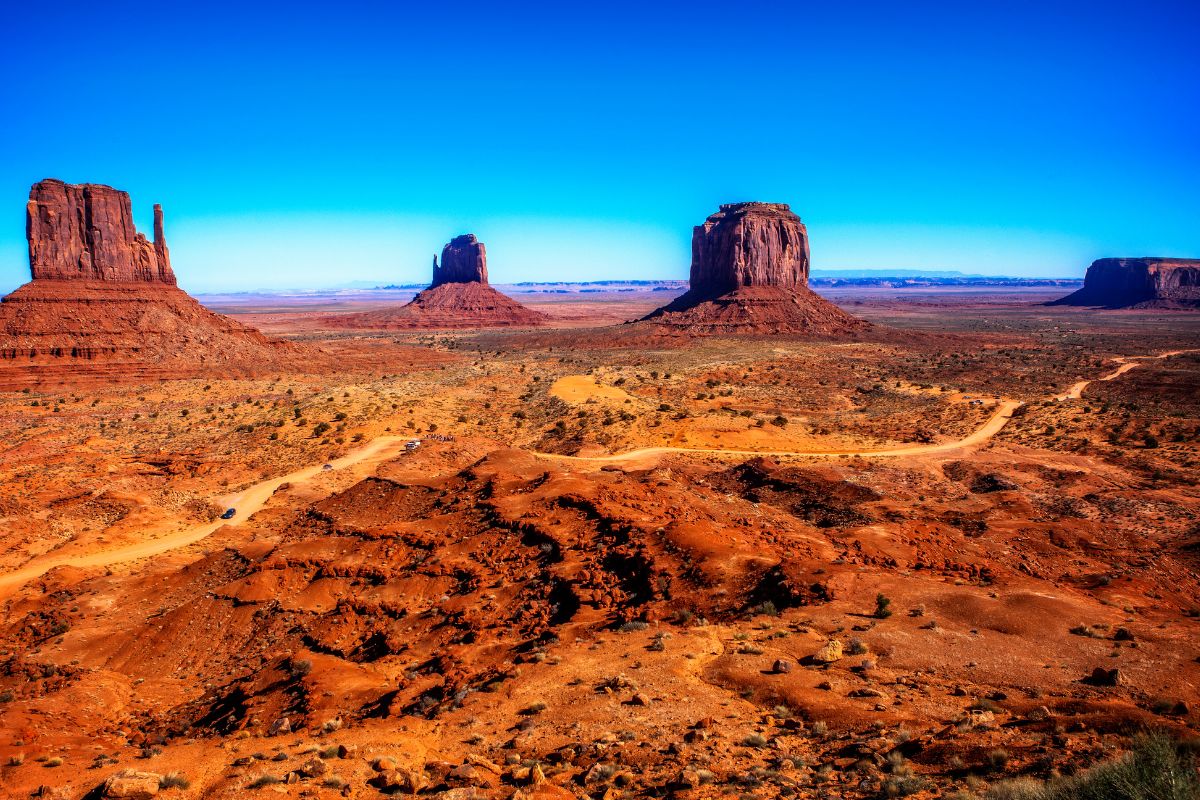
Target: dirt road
[(253, 498), (246, 502)]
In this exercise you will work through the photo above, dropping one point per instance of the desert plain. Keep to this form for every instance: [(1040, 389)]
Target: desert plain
[(954, 551)]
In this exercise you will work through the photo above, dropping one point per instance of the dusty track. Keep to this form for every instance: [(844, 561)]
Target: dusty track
[(247, 502), (253, 498)]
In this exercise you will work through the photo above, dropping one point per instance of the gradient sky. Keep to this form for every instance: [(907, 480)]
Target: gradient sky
[(309, 145)]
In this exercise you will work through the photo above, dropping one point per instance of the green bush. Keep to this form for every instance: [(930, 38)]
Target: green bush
[(1156, 769)]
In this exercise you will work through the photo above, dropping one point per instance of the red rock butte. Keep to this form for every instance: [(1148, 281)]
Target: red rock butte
[(458, 297), (86, 232), (103, 304), (749, 274), (1147, 282)]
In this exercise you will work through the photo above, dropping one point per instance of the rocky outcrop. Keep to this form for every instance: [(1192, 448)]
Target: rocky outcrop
[(749, 274), (749, 244), (85, 232), (458, 297), (103, 305), (1139, 283), (464, 260)]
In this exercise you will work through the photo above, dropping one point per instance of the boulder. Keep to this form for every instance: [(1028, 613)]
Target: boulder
[(130, 784), (831, 652)]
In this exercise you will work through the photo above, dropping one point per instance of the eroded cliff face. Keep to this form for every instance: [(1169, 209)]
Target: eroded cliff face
[(749, 274), (749, 244), (1139, 282), (86, 232), (458, 297), (464, 260), (103, 305)]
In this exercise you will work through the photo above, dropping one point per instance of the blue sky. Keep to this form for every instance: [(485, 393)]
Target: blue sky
[(296, 144)]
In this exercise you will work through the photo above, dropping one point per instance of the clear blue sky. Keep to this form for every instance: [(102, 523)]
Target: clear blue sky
[(298, 144)]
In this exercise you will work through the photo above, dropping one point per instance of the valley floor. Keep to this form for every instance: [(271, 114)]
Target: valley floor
[(958, 551)]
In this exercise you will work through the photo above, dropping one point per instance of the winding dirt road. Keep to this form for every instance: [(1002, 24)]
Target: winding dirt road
[(253, 498), (994, 424), (247, 502)]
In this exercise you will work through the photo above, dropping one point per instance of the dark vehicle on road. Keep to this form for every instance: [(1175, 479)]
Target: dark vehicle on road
[(229, 512)]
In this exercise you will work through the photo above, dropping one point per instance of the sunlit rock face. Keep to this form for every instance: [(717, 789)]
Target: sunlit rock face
[(85, 232)]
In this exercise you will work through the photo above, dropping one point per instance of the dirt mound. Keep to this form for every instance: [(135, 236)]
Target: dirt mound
[(757, 309), (448, 305), (52, 330)]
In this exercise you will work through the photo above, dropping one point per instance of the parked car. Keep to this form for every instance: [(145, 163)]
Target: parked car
[(327, 467)]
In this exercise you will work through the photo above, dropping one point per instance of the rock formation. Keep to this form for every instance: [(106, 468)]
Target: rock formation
[(464, 260), (749, 274), (103, 304), (458, 297), (1139, 283), (86, 232)]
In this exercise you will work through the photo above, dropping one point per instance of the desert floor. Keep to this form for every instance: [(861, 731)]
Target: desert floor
[(961, 549)]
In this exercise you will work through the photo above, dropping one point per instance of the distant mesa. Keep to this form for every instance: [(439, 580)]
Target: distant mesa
[(750, 265), (458, 297), (1147, 282), (103, 304)]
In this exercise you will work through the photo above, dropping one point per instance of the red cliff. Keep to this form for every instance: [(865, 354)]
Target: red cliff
[(85, 232), (1139, 283), (464, 260), (103, 305), (749, 274)]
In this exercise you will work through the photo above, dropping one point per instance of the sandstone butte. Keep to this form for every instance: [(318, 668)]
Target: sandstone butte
[(749, 274), (458, 297), (1147, 282), (103, 303)]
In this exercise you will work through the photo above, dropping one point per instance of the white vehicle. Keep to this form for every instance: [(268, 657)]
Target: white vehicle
[(412, 445)]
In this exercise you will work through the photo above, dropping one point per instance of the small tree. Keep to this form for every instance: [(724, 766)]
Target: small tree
[(882, 607)]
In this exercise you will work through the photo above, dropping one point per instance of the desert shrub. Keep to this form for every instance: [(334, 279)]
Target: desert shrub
[(766, 608), (882, 607), (264, 780), (633, 625), (755, 740), (902, 785), (780, 421), (856, 647), (174, 780), (321, 428), (1155, 769)]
